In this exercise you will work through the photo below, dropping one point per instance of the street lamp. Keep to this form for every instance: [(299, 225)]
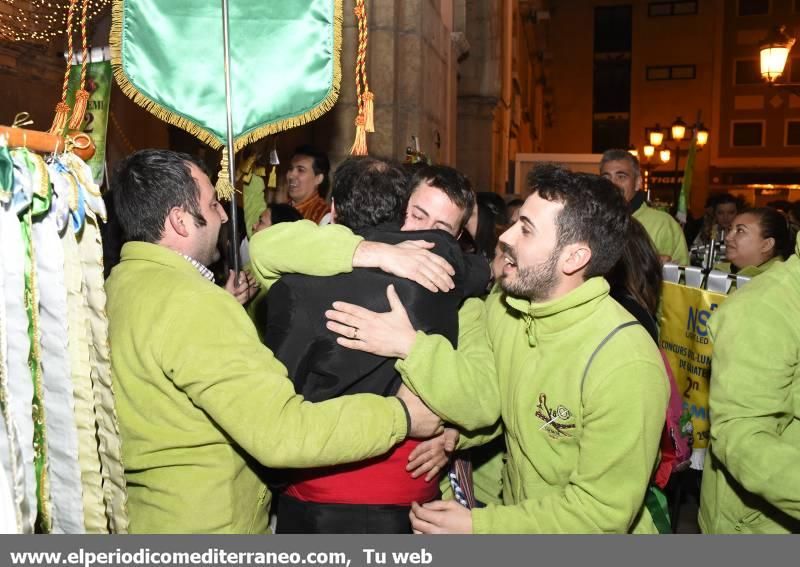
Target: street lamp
[(656, 136), (680, 132), (648, 151), (678, 129), (702, 136), (774, 53)]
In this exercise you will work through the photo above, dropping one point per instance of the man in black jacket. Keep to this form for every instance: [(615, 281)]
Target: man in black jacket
[(369, 197)]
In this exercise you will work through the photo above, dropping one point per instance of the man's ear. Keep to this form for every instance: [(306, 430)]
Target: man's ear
[(176, 220), (575, 258), (638, 185)]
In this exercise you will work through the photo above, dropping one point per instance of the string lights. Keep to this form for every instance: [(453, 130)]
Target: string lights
[(39, 20)]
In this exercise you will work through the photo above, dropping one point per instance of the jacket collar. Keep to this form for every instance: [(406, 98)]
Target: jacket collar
[(637, 201), (158, 254), (559, 314)]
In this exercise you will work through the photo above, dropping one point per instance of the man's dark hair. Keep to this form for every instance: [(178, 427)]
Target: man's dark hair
[(621, 155), (455, 185), (320, 164), (283, 212), (594, 212), (147, 184), (495, 203), (725, 199), (368, 191)]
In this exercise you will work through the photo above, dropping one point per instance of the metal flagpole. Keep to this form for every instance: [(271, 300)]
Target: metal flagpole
[(231, 155)]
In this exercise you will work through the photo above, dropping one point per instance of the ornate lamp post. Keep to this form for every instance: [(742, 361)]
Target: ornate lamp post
[(678, 131), (774, 53)]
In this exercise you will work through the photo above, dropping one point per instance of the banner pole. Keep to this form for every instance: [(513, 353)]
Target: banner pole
[(231, 154)]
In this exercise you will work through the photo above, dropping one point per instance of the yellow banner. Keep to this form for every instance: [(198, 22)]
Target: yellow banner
[(685, 338)]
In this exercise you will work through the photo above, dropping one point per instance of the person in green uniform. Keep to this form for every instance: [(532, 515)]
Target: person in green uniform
[(623, 170), (579, 387), (751, 479), (758, 240)]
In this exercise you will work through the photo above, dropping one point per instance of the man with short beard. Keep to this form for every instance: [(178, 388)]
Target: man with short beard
[(580, 386)]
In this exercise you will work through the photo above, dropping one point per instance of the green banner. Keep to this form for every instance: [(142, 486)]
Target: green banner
[(95, 120)]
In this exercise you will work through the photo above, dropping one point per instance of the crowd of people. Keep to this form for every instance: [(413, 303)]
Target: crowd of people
[(407, 355)]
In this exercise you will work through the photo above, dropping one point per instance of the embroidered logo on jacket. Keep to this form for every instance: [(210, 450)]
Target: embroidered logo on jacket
[(554, 420)]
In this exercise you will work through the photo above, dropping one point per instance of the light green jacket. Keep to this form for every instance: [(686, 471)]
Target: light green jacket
[(587, 471), (201, 401), (665, 232), (751, 481), (751, 271)]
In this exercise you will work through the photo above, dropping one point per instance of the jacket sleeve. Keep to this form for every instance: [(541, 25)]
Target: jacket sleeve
[(302, 247), (479, 437), (459, 385), (623, 416), (753, 398), (214, 356), (254, 203)]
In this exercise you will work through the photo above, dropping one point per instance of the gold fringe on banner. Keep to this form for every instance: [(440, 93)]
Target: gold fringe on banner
[(172, 117), (224, 188), (272, 183)]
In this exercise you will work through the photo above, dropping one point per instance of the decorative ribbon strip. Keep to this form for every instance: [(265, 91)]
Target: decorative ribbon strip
[(106, 442), (59, 402), (108, 438), (79, 339), (19, 385), (34, 360), (40, 204), (29, 202), (10, 453)]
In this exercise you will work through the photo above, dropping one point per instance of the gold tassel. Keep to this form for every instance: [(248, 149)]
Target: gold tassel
[(224, 188), (360, 145), (60, 120), (272, 183), (369, 124), (79, 109)]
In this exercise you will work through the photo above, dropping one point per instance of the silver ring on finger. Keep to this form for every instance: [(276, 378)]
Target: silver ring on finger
[(355, 333)]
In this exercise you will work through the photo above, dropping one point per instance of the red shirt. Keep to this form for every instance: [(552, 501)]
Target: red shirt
[(380, 480)]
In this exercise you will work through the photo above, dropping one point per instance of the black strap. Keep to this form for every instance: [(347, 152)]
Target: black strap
[(602, 343)]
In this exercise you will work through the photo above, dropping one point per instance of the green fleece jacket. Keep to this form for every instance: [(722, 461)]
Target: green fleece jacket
[(665, 232), (751, 482), (579, 458), (201, 401), (751, 271)]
